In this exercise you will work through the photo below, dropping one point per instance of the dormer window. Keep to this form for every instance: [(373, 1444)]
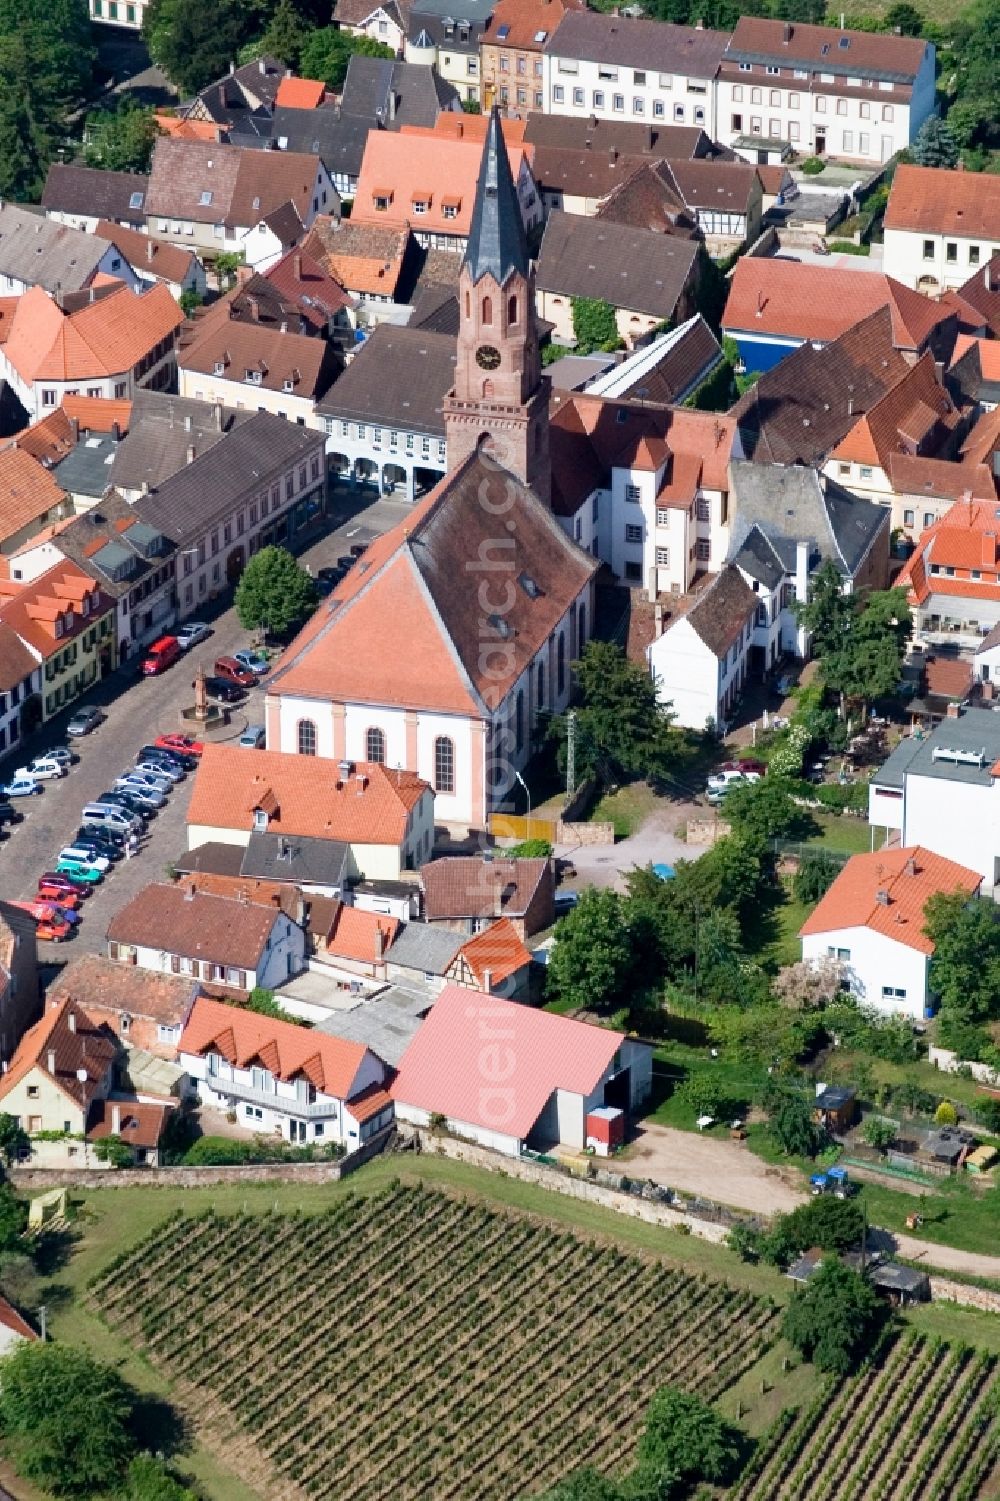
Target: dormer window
[(219, 368), (420, 205), (253, 376), (503, 33), (68, 620), (259, 821), (58, 626), (135, 201), (288, 384), (381, 201)]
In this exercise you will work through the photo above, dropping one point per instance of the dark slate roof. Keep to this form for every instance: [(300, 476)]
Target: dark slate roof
[(721, 610), (161, 430), (213, 858), (86, 468), (497, 246), (399, 378), (592, 36), (630, 268), (394, 93), (436, 310), (758, 558), (665, 371), (117, 558), (455, 35), (92, 191), (792, 503), (202, 492), (425, 947), (337, 139), (625, 137), (283, 857)]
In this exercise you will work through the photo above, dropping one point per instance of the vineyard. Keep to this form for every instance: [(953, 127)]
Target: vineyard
[(425, 1346), (922, 1425)]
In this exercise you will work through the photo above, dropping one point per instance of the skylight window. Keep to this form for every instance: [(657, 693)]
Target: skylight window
[(844, 43), (531, 589), (135, 201), (503, 33), (540, 36), (205, 198)]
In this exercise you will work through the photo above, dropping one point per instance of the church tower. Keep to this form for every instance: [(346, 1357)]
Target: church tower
[(500, 398)]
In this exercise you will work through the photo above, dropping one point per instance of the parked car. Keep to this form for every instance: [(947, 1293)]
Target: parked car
[(98, 838), (745, 767), (181, 745), (168, 757), (331, 576), (85, 720), (150, 776), (224, 690), (62, 754), (43, 769), (164, 767), (251, 661), (161, 655), (53, 929), (346, 561), (230, 669), (565, 901), (191, 632), (253, 737), (81, 855), (62, 886), (66, 901), (148, 797), (22, 785), (725, 779), (358, 549), (117, 801), (81, 869), (8, 813)]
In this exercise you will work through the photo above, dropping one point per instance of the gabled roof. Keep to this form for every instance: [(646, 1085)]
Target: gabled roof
[(392, 94), (648, 198), (666, 369), (301, 279), (193, 923), (27, 491), (592, 36), (982, 292), (936, 200), (887, 892), (148, 256), (295, 363), (288, 1051), (939, 479), (398, 379), (915, 415), (792, 503), (300, 93), (441, 1070), (721, 611), (872, 54), (624, 138), (471, 886), (364, 258), (363, 937), (526, 25), (212, 184), (497, 246), (403, 628), (40, 252), (792, 299), (103, 338), (140, 1123), (304, 795), (631, 268), (965, 540), (107, 985), (496, 953), (338, 139), (56, 595), (90, 191), (67, 1037)]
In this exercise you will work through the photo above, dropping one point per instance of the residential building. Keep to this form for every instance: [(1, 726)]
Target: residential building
[(21, 678), (776, 305), (261, 481), (31, 499), (825, 91), (369, 262), (565, 1069), (922, 491), (84, 196), (942, 791), (601, 64), (243, 362), (175, 929), (871, 922), (495, 961), (382, 814), (299, 292), (67, 623), (942, 227), (156, 262), (290, 872), (14, 1330), (382, 21), (513, 51), (241, 103), (159, 435), (578, 161), (384, 416), (144, 1009), (39, 252), (701, 662), (405, 93), (664, 372), (337, 139), (209, 198), (282, 1079), (106, 349), (974, 372), (466, 893), (450, 45), (720, 200), (952, 577), (647, 278), (982, 293), (128, 14), (19, 991), (425, 181)]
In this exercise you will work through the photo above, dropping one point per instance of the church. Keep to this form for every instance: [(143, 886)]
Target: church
[(457, 628)]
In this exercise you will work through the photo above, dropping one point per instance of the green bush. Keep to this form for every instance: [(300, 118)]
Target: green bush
[(528, 849), (813, 166), (847, 247)]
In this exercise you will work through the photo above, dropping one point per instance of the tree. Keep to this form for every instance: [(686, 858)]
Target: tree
[(904, 18), (274, 594), (687, 1440), (262, 1001), (862, 651), (47, 59), (826, 615), (148, 1479), (584, 1485), (935, 146), (974, 118), (965, 968), (594, 325), (833, 1320), (792, 1126), (13, 1221), (286, 35), (326, 53), (946, 1114), (65, 1418), (122, 139), (192, 42), (831, 1224), (114, 1150), (622, 730), (593, 960), (879, 1133), (814, 877), (14, 1140), (808, 985), (226, 266), (765, 810)]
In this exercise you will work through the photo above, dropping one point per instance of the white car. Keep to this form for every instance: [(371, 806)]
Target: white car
[(43, 769), (81, 856), (723, 780), (191, 632), (21, 786)]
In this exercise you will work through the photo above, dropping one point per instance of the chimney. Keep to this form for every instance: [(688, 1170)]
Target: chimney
[(952, 712), (882, 897), (488, 981), (989, 549), (254, 309), (192, 453), (786, 33), (187, 422), (699, 25), (71, 1020), (218, 416), (74, 428), (612, 156), (650, 137), (379, 942), (116, 1120), (297, 266), (261, 66), (658, 619), (116, 432), (910, 868), (189, 892), (232, 69), (149, 250), (52, 1060)]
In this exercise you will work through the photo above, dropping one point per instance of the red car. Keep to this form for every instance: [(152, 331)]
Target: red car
[(52, 925), (230, 670), (55, 886), (745, 766), (70, 900), (182, 744)]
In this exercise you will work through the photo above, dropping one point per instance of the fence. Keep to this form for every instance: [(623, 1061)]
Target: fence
[(518, 827)]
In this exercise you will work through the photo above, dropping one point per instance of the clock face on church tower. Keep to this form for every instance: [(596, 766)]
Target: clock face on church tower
[(487, 358)]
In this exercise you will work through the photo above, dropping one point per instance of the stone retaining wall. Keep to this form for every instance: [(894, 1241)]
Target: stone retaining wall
[(577, 834), (702, 831), (943, 1290)]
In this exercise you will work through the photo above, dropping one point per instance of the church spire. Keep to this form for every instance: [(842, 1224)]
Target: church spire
[(497, 246)]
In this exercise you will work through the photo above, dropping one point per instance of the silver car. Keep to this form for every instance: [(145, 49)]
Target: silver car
[(164, 771), (147, 795)]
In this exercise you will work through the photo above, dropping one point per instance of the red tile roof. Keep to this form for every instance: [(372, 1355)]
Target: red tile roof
[(176, 918), (907, 877), (28, 492), (103, 338), (965, 539), (97, 415), (34, 609), (304, 795), (419, 165), (12, 1320), (442, 1070), (529, 23), (361, 936), (469, 886), (935, 200), (107, 985), (147, 256), (78, 1047), (290, 1052), (371, 1101), (497, 950), (907, 417), (300, 93), (140, 1122), (911, 474)]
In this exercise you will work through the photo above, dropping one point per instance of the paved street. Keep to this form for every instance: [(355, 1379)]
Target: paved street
[(138, 710)]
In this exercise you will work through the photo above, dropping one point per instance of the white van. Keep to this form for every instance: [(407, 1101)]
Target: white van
[(108, 816)]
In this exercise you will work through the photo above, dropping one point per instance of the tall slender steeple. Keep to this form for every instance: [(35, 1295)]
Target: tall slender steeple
[(500, 398)]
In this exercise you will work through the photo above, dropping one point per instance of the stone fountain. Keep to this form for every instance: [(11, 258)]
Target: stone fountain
[(203, 715)]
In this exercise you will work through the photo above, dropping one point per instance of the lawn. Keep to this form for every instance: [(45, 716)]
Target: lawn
[(627, 808), (843, 833), (841, 1065), (771, 935)]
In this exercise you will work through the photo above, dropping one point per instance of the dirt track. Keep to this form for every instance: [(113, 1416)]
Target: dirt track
[(722, 1170)]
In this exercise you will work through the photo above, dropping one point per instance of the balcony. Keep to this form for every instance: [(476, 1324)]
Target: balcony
[(248, 1095)]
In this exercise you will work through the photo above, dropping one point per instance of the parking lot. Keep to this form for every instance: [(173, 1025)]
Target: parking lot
[(138, 710)]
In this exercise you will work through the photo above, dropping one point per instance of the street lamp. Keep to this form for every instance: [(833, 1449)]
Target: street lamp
[(527, 793)]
